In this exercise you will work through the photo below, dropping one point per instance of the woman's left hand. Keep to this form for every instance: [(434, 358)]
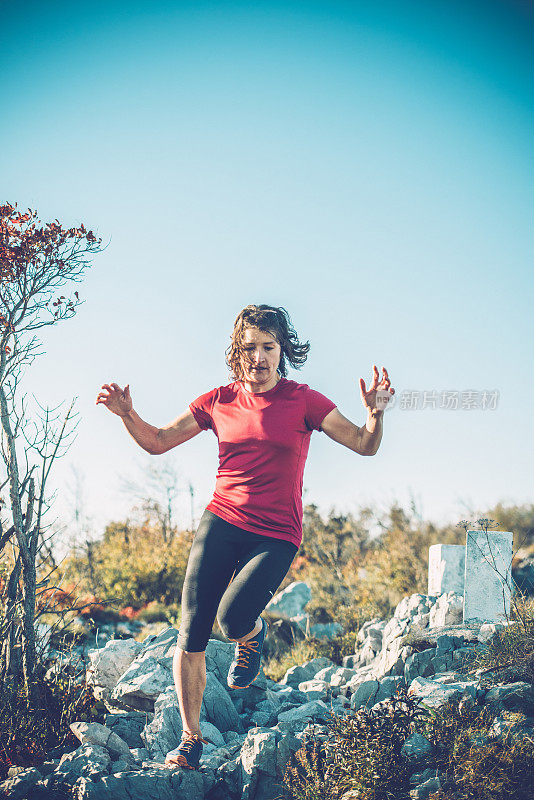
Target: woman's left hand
[(375, 404)]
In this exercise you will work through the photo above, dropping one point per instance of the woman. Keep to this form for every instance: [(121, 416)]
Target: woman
[(251, 530)]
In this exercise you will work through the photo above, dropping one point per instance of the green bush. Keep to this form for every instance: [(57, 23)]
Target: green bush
[(131, 566), (157, 612)]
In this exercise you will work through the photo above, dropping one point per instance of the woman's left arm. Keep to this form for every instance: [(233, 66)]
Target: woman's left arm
[(365, 440)]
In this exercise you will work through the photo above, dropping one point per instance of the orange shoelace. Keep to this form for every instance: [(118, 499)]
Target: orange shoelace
[(189, 740), (244, 650)]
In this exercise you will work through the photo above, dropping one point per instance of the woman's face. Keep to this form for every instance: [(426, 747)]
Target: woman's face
[(261, 356)]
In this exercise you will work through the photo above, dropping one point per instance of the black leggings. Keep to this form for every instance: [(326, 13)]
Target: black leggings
[(232, 574)]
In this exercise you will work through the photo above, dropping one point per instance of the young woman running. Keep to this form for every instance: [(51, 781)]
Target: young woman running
[(251, 530)]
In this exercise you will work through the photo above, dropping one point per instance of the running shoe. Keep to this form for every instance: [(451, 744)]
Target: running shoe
[(246, 665), (188, 752)]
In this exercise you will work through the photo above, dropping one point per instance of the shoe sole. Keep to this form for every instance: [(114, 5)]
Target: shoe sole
[(231, 685), (181, 761)]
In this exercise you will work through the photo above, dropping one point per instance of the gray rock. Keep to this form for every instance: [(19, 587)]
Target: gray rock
[(305, 672), (128, 725), (517, 729), (139, 754), (88, 761), (219, 656), (163, 733), (463, 632), (365, 694), (447, 610), (287, 745), (388, 687), (373, 628), (263, 719), (425, 775), (155, 783), (315, 689), (108, 663), (326, 630), (257, 758), (95, 733), (142, 683), (433, 693), (419, 665), (424, 790), (291, 601), (17, 788), (417, 748), (315, 709), (334, 675), (218, 706), (124, 764), (161, 648), (517, 696), (46, 767), (392, 659), (288, 694), (414, 605)]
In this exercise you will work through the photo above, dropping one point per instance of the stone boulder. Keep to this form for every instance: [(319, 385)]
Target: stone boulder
[(291, 601), (108, 663), (21, 785), (128, 725), (94, 733), (435, 693), (156, 783), (447, 610), (306, 672), (88, 761)]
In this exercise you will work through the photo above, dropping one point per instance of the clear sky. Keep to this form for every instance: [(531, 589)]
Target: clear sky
[(368, 166)]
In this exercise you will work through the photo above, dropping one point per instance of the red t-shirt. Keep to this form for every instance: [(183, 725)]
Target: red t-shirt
[(263, 444)]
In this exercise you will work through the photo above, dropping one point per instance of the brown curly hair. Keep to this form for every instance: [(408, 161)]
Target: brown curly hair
[(271, 320)]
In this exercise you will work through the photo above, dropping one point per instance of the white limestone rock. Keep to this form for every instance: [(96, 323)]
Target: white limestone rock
[(19, 787), (291, 601), (446, 568), (95, 733), (89, 760), (488, 568), (434, 693), (448, 610), (108, 663), (142, 683), (305, 672)]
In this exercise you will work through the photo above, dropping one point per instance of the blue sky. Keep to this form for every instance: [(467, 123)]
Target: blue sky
[(367, 166)]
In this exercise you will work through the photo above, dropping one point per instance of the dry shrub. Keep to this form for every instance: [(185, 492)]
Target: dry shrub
[(362, 754), (509, 655), (476, 764), (29, 731)]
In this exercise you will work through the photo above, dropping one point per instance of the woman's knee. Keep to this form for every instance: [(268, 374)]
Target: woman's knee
[(192, 638), (233, 623)]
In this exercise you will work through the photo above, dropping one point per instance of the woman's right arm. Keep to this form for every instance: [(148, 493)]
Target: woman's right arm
[(154, 440)]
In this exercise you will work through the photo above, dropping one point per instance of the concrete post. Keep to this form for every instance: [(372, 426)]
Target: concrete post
[(488, 575), (446, 568)]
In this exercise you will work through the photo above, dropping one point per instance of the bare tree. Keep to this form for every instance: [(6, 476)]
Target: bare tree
[(36, 261), (156, 492)]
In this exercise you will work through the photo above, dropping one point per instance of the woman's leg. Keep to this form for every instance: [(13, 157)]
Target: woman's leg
[(258, 575), (189, 671), (211, 563)]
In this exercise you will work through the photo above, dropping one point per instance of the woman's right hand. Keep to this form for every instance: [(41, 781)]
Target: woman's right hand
[(114, 398)]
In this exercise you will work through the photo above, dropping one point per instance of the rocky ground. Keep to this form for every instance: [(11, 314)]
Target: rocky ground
[(253, 732)]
